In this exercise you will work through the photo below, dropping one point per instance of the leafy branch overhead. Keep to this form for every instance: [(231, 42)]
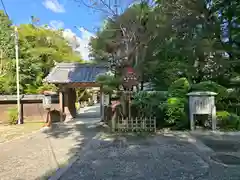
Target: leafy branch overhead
[(168, 40), (108, 82), (40, 49)]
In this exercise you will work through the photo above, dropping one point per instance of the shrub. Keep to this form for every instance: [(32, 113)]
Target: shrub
[(152, 97), (228, 121), (175, 109), (45, 87), (149, 104), (12, 116), (179, 88)]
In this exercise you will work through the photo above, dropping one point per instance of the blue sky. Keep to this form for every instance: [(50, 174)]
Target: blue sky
[(67, 14), (58, 14), (67, 11)]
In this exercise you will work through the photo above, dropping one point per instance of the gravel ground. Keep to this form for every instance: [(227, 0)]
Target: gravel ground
[(152, 158)]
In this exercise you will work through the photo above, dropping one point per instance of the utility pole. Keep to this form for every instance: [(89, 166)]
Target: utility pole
[(17, 76)]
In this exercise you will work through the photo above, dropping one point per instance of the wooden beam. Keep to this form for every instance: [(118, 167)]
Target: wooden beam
[(84, 85)]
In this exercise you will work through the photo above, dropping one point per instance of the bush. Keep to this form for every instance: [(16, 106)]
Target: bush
[(179, 88), (151, 97), (148, 104), (12, 116), (228, 121), (176, 115), (45, 87), (175, 107)]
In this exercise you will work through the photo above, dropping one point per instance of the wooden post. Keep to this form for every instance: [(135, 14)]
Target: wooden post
[(71, 102), (129, 105), (101, 104), (49, 119), (61, 104), (21, 113)]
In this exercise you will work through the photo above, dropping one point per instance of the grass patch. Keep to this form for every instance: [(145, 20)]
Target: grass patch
[(10, 132)]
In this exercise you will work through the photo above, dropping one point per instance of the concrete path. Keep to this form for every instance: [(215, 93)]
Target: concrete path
[(90, 112), (166, 156), (38, 155)]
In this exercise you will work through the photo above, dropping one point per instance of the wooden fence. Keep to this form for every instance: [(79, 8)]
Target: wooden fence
[(136, 125)]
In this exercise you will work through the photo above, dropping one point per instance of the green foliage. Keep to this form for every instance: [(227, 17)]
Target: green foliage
[(179, 88), (222, 115), (169, 111), (178, 39), (83, 94), (108, 82), (175, 106), (211, 86), (228, 121), (12, 116), (6, 38), (147, 102), (39, 49), (175, 112), (47, 87), (147, 105)]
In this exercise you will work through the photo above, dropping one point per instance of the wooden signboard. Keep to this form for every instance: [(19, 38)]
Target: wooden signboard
[(130, 78)]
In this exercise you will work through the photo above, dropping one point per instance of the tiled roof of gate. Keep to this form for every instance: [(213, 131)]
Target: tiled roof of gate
[(75, 73)]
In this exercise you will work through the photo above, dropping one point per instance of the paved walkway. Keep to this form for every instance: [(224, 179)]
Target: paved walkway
[(39, 154), (90, 112), (173, 156)]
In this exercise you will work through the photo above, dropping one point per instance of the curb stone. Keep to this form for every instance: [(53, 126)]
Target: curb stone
[(61, 171)]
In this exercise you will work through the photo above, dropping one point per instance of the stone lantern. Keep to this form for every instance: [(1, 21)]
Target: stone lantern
[(202, 103)]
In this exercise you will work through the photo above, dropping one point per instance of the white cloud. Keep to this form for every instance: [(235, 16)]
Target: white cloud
[(56, 24), (79, 44), (54, 5)]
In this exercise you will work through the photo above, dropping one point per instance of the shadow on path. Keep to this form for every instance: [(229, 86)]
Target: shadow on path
[(81, 135), (81, 130), (158, 157)]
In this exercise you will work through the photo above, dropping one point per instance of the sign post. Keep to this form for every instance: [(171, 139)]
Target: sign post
[(130, 79)]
